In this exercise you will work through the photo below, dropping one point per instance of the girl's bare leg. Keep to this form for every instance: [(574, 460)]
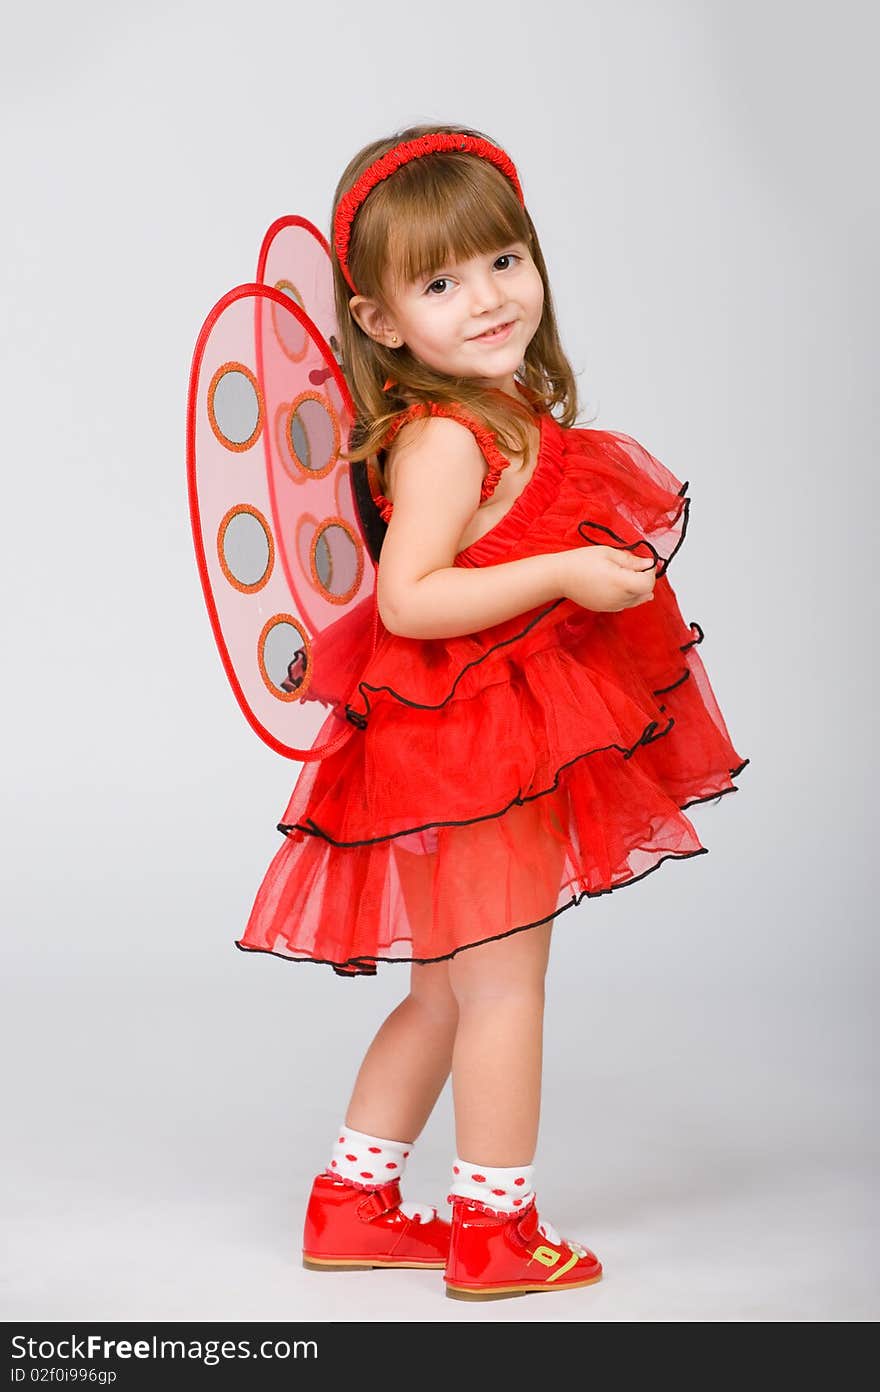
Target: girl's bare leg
[(498, 1053), (408, 1062), (481, 1012)]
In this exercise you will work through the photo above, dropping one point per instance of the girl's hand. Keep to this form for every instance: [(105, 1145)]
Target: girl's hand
[(605, 579)]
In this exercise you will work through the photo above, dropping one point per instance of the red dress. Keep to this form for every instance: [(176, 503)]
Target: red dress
[(493, 780)]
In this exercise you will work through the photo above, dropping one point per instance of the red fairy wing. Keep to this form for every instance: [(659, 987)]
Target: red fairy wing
[(295, 259), (287, 579)]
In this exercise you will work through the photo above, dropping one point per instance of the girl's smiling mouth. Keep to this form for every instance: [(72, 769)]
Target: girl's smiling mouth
[(494, 335)]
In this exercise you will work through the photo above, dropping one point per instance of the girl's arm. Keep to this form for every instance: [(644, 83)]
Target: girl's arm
[(439, 471)]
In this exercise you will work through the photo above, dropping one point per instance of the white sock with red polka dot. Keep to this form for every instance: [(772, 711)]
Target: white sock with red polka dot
[(367, 1161), (371, 1161), (507, 1190)]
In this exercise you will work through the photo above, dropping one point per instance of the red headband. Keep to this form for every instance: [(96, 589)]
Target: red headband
[(402, 154)]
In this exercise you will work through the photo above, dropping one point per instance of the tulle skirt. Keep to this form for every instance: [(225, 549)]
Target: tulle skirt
[(492, 780)]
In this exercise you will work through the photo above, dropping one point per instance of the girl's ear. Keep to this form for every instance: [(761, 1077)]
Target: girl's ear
[(369, 316)]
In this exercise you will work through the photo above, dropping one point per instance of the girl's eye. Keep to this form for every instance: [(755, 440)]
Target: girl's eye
[(505, 256)]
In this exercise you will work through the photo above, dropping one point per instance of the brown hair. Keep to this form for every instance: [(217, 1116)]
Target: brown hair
[(438, 207)]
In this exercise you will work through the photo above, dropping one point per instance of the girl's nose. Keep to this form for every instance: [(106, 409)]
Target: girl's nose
[(486, 296)]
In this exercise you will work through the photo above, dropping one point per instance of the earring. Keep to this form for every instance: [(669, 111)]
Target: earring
[(394, 339)]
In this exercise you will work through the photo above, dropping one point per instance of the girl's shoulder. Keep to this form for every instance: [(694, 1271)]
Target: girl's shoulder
[(451, 410), (413, 410), (448, 410)]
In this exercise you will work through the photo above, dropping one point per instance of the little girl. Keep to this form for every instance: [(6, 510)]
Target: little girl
[(528, 731)]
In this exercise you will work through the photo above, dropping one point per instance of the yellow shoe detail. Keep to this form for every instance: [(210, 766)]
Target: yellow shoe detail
[(546, 1256), (562, 1270)]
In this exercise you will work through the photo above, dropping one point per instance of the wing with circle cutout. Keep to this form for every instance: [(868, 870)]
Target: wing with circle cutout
[(295, 259), (287, 578)]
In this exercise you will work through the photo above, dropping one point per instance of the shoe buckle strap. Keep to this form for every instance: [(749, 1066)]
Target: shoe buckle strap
[(527, 1226), (379, 1201)]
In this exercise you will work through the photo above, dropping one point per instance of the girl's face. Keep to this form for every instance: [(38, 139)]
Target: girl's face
[(443, 319)]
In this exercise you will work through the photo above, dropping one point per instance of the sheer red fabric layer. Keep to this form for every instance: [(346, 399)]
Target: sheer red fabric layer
[(494, 779)]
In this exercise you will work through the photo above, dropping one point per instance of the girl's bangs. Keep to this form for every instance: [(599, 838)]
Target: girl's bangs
[(447, 222)]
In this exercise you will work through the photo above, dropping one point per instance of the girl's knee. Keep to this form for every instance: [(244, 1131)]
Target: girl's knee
[(430, 987), (516, 965)]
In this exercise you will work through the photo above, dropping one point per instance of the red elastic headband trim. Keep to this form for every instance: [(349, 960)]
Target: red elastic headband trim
[(402, 154)]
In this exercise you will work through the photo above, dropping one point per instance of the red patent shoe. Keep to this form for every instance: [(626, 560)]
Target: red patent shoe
[(360, 1228), (493, 1255)]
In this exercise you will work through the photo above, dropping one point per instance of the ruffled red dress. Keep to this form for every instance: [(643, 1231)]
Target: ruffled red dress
[(495, 779)]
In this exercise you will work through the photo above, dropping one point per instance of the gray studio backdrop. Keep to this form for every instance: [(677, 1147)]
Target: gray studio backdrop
[(700, 178)]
